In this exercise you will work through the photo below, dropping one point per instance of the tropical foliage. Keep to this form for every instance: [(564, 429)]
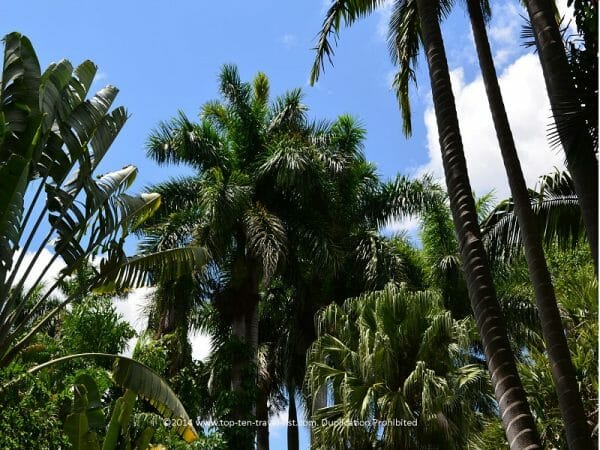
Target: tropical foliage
[(276, 199), (434, 392), (52, 140), (477, 331)]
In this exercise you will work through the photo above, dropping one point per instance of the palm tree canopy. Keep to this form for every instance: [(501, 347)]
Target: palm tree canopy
[(394, 354)]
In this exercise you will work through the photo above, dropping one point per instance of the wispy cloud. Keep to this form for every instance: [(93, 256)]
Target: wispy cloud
[(384, 12), (289, 41)]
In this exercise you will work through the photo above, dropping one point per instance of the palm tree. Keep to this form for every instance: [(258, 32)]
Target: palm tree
[(358, 206), (408, 18), (265, 175), (552, 328), (442, 260), (284, 190), (571, 130), (395, 355), (516, 416)]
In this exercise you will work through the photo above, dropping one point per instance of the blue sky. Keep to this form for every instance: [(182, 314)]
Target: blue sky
[(165, 56)]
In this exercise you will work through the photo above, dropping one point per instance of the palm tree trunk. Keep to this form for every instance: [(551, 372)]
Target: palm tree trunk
[(293, 442), (563, 372), (262, 418), (574, 137), (512, 401), (173, 301), (238, 329)]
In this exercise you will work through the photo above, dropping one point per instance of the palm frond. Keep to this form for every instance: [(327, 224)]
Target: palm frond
[(288, 112), (339, 11), (403, 42), (179, 141), (403, 197), (556, 208), (139, 271), (260, 86), (267, 239)]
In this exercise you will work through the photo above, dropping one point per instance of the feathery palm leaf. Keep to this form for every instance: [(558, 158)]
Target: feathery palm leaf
[(556, 207)]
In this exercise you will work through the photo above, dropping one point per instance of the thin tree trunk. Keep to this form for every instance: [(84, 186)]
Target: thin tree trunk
[(252, 330), (262, 417), (574, 136), (563, 372), (512, 401), (293, 442), (173, 299)]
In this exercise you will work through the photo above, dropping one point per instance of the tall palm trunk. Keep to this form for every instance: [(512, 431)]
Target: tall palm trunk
[(262, 418), (238, 329), (574, 137), (563, 372), (514, 409), (174, 303), (245, 328), (293, 442)]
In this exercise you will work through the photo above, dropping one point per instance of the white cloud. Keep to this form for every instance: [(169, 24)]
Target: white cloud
[(132, 307), (49, 273), (408, 225), (504, 32), (505, 23), (523, 88)]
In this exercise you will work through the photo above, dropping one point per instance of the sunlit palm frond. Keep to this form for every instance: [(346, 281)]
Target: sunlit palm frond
[(556, 209), (390, 354), (267, 239), (141, 270), (287, 113), (179, 141), (403, 197)]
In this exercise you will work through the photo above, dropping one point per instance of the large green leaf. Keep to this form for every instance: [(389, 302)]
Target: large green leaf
[(76, 428), (19, 94), (136, 377), (54, 80), (119, 419), (93, 405), (149, 385), (77, 424), (13, 182), (99, 215)]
